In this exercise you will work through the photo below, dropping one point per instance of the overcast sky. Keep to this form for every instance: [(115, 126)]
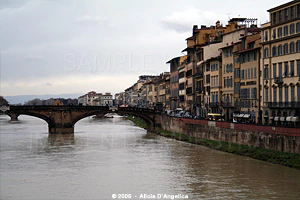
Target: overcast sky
[(61, 46)]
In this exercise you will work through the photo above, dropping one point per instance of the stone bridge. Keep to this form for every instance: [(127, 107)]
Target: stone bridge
[(62, 119)]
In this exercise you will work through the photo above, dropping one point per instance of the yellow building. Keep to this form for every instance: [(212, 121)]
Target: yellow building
[(281, 65), (215, 64), (246, 76)]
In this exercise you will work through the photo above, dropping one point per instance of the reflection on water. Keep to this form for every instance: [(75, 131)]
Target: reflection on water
[(61, 139), (111, 156)]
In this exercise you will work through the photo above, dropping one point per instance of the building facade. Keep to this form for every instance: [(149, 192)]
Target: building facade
[(281, 65)]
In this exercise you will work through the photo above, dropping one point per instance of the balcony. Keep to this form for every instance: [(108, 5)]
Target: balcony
[(214, 104), (227, 105), (278, 80), (292, 104), (198, 74), (198, 90)]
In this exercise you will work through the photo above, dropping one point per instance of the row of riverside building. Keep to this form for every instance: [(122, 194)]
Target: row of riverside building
[(235, 69)]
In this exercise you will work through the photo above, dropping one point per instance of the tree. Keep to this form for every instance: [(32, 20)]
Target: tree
[(3, 101)]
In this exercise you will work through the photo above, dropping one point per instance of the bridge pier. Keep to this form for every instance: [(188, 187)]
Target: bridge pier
[(14, 117), (58, 128), (66, 130)]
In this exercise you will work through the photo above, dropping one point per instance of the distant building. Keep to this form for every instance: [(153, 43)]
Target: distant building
[(96, 99)]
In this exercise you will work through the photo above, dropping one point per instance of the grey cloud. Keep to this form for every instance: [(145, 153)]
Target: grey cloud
[(176, 26), (48, 84), (91, 19), (7, 4)]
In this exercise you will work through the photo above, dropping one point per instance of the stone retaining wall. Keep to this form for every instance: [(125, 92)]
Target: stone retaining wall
[(267, 137)]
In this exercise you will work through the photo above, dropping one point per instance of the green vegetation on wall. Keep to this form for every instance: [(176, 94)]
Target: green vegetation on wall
[(138, 121), (276, 157)]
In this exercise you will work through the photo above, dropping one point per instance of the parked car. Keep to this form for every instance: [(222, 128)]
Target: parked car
[(199, 117), (187, 115), (180, 114)]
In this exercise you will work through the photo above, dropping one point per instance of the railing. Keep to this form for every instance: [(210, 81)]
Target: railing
[(293, 104), (198, 90), (227, 104), (278, 80), (198, 74), (214, 104)]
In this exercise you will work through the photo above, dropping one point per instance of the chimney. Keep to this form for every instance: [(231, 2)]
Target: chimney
[(195, 27)]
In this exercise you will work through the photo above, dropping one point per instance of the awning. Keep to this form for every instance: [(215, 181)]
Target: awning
[(246, 116), (271, 118), (240, 115), (282, 119), (295, 119), (289, 118), (235, 115), (276, 118)]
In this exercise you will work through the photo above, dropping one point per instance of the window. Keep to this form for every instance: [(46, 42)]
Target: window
[(254, 55), (254, 73), (181, 86), (292, 28), (292, 12), (280, 94), (298, 67), (266, 72), (297, 27), (181, 75), (207, 79), (237, 73), (274, 50), (253, 95), (286, 14), (286, 48), (280, 16), (266, 52), (279, 32), (279, 50), (298, 46), (267, 94), (266, 36), (275, 94), (292, 68), (285, 30), (243, 74), (280, 70), (286, 69), (298, 10), (249, 73), (292, 47), (274, 70), (292, 93), (274, 17), (298, 92), (286, 94), (274, 34), (207, 67)]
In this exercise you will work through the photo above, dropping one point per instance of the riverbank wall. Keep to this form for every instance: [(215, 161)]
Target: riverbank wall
[(281, 139)]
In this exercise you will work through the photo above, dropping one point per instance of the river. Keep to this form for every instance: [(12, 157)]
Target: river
[(114, 159)]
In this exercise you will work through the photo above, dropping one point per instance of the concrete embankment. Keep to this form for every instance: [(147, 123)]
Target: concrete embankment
[(273, 144), (280, 146)]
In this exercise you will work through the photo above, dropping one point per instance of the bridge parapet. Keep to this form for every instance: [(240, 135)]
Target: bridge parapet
[(142, 110), (62, 119)]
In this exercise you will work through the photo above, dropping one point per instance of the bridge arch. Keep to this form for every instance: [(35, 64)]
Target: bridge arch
[(14, 116), (62, 119)]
